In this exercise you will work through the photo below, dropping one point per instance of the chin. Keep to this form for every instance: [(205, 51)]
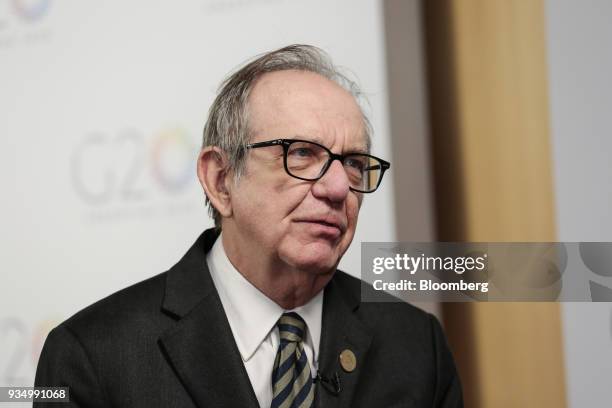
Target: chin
[(316, 257)]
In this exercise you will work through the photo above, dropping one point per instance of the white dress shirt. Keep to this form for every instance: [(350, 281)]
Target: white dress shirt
[(253, 316)]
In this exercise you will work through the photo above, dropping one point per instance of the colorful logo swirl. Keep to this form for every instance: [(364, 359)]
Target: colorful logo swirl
[(31, 10), (172, 159)]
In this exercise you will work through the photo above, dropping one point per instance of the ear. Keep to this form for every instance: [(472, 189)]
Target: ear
[(214, 178)]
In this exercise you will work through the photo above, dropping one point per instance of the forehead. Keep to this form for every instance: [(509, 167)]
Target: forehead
[(287, 104)]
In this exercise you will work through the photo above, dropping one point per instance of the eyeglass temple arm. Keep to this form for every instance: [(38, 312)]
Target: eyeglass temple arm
[(265, 144)]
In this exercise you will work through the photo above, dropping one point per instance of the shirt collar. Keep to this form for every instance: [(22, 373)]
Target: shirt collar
[(251, 314)]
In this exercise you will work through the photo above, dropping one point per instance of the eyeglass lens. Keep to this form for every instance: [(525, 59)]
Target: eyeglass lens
[(308, 161)]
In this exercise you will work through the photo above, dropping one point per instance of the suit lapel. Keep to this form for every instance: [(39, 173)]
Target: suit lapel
[(205, 357), (201, 347), (341, 331)]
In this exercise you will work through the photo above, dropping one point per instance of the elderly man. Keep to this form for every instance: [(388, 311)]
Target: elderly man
[(256, 314)]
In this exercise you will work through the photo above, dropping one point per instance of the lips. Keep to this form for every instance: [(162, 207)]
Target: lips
[(325, 223)]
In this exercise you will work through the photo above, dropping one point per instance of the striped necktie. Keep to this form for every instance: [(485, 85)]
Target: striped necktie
[(291, 379)]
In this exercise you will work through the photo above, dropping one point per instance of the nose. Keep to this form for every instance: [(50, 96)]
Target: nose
[(334, 185)]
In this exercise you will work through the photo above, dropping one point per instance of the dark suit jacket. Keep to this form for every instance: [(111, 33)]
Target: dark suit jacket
[(166, 342)]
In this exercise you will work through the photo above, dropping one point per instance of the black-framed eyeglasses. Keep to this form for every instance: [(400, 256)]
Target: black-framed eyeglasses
[(306, 160)]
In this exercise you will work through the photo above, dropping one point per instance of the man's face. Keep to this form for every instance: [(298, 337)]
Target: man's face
[(303, 224)]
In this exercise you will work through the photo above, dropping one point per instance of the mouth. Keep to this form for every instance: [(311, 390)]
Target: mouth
[(324, 227)]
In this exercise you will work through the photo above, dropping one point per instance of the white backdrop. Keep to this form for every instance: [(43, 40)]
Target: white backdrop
[(103, 103), (580, 62)]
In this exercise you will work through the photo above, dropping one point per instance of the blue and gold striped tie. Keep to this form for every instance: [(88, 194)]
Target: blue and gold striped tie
[(291, 378)]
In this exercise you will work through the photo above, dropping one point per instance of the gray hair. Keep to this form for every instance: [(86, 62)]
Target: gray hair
[(227, 125)]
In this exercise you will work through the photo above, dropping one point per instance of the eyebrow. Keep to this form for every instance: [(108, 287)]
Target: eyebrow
[(316, 139)]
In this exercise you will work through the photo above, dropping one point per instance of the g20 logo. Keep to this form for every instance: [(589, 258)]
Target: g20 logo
[(128, 166)]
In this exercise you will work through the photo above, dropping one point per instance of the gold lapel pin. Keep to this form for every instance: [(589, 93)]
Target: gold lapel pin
[(348, 361)]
